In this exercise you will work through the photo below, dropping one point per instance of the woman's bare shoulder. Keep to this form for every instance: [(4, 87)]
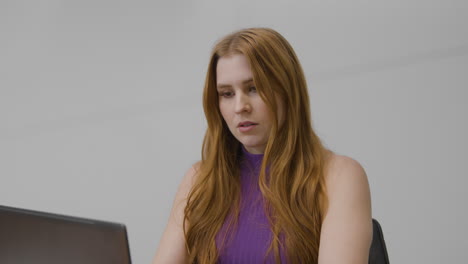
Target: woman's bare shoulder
[(347, 225), (345, 179), (172, 245), (338, 166), (189, 179)]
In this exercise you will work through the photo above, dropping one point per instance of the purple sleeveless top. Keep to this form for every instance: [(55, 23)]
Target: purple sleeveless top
[(249, 241)]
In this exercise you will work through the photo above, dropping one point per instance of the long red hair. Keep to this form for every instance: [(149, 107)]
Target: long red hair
[(294, 189)]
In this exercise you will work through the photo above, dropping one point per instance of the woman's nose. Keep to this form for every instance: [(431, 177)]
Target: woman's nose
[(242, 104)]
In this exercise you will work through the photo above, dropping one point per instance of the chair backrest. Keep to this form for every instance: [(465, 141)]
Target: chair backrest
[(378, 251)]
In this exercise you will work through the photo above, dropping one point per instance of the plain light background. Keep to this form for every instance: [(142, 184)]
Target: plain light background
[(101, 115)]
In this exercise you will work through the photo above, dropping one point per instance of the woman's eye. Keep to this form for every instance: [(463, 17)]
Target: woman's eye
[(227, 94), (252, 89)]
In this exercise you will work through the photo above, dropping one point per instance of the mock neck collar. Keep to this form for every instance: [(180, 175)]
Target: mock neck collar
[(255, 158)]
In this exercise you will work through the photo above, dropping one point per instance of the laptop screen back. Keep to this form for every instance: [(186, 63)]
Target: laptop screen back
[(37, 237)]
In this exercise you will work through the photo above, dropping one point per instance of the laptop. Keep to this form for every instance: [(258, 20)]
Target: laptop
[(28, 236)]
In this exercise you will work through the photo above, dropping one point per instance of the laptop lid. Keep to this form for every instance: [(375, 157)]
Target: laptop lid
[(28, 236)]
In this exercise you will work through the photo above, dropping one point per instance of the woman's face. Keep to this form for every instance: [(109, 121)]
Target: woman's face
[(242, 108)]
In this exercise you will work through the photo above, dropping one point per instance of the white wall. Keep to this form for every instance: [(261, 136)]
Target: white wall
[(100, 106)]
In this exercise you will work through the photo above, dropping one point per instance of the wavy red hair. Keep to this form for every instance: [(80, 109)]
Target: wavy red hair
[(294, 189)]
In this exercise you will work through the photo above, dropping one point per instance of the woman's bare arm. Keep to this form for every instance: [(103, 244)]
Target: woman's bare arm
[(172, 244), (347, 226)]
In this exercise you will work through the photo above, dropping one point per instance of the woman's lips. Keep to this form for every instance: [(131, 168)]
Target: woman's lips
[(246, 127)]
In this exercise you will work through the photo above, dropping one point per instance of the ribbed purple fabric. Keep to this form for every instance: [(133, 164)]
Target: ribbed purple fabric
[(250, 239)]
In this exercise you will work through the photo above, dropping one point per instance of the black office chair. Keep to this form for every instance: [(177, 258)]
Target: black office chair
[(378, 251)]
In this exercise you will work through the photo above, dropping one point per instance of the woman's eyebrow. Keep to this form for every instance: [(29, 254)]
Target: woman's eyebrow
[(248, 81), (220, 85)]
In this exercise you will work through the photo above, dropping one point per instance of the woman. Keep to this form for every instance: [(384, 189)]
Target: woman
[(266, 189)]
